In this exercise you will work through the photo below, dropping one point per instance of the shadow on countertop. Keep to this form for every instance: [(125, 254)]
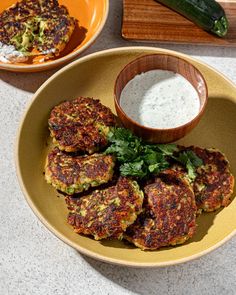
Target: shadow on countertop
[(29, 82), (194, 277)]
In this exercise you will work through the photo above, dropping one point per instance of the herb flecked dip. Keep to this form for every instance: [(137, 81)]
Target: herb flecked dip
[(160, 99)]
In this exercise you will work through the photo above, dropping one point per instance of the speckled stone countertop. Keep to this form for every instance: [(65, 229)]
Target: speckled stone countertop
[(33, 261)]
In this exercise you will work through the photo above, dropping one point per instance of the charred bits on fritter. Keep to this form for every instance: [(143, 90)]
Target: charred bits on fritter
[(214, 183), (73, 174), (55, 30), (42, 25), (81, 125), (169, 215), (106, 213)]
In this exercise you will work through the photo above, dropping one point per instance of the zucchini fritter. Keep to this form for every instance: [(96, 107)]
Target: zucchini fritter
[(55, 30), (106, 213), (73, 174), (43, 25), (81, 125), (214, 183), (169, 215)]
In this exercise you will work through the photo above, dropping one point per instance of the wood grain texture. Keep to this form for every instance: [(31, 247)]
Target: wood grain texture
[(147, 20)]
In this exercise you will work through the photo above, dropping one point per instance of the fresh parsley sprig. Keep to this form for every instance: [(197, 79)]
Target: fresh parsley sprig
[(189, 160), (139, 159)]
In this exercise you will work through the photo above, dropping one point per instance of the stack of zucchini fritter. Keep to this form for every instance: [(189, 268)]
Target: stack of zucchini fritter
[(77, 127), (157, 212)]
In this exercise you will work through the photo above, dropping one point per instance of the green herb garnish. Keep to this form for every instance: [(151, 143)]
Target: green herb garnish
[(189, 160), (139, 159), (124, 145)]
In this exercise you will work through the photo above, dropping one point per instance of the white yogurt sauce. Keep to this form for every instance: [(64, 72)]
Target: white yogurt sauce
[(160, 99), (9, 54)]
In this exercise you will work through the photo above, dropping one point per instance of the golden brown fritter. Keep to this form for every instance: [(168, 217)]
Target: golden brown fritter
[(106, 213), (81, 125), (169, 215), (14, 23), (55, 30), (43, 25), (73, 174), (214, 183)]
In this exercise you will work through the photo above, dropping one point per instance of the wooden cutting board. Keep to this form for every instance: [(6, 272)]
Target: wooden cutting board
[(147, 20)]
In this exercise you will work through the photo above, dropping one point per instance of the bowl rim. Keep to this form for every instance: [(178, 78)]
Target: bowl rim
[(37, 212), (138, 125), (64, 59)]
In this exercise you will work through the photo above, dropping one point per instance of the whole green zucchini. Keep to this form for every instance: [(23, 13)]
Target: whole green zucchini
[(207, 14)]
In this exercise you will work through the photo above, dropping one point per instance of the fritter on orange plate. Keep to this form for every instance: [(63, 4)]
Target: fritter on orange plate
[(43, 25)]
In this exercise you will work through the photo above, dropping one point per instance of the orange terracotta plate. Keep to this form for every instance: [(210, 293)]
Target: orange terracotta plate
[(148, 20), (91, 15)]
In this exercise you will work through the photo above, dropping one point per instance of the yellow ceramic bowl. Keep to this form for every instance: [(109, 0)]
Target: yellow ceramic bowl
[(216, 129), (91, 14)]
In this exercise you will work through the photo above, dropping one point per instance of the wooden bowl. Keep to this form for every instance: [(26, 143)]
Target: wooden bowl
[(164, 62), (91, 16)]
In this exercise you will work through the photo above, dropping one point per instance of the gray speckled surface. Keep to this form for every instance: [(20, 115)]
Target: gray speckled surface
[(33, 261)]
